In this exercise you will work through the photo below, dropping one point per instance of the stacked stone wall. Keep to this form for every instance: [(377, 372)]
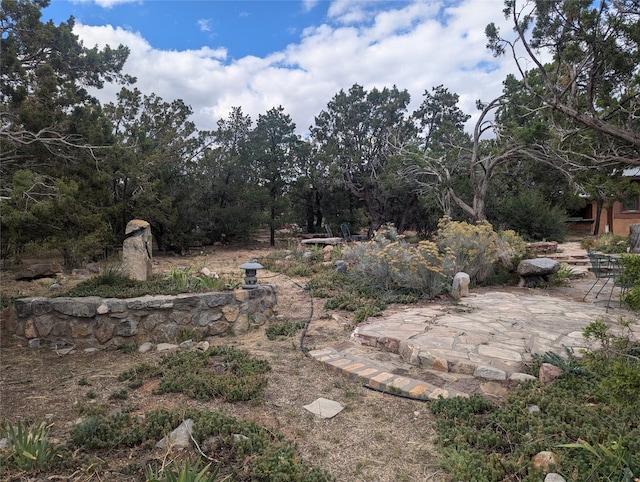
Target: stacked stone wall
[(108, 322)]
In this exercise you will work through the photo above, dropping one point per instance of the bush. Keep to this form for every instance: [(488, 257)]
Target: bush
[(286, 328), (512, 243), (630, 280), (113, 283), (221, 371), (260, 454), (186, 473), (534, 218), (606, 243), (475, 248), (390, 263)]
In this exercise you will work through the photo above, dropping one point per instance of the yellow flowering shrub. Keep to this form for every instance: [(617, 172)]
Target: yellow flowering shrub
[(392, 263), (514, 245), (474, 246)]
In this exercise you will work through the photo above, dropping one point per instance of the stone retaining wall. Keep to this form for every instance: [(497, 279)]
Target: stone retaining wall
[(107, 322)]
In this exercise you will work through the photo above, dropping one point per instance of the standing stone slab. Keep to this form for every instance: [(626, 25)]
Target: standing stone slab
[(460, 285), (634, 238), (136, 250)]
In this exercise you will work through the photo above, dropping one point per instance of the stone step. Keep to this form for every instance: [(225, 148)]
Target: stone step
[(378, 376)]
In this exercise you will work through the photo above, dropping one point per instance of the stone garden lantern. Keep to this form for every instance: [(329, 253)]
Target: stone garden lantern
[(250, 269)]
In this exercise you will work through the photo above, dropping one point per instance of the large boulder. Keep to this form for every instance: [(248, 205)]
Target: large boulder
[(534, 271), (41, 270)]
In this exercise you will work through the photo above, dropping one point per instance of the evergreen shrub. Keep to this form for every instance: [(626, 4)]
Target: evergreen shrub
[(534, 218), (630, 279)]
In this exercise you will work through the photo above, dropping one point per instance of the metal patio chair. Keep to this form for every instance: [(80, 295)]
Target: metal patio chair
[(607, 268), (346, 234)]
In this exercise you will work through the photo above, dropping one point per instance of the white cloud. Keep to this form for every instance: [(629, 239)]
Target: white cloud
[(308, 5), (204, 24), (112, 3), (408, 45)]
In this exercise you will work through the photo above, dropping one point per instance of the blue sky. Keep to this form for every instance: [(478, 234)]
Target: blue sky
[(258, 54), (251, 27)]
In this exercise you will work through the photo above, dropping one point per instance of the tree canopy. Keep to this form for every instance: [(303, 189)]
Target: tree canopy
[(73, 172), (592, 76)]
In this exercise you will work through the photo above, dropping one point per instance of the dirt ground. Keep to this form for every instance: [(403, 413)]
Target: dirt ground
[(377, 437)]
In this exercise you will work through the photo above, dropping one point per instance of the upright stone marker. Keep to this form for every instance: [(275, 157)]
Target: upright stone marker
[(136, 250), (634, 238)]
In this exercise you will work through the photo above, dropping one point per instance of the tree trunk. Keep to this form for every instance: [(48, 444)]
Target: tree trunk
[(596, 223)]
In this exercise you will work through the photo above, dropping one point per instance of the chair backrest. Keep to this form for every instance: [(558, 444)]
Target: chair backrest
[(328, 229), (601, 264), (346, 233)]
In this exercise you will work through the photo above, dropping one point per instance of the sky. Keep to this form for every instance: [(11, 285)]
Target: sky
[(260, 54)]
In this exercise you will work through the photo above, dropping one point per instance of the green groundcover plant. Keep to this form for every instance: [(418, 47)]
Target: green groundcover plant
[(588, 418)]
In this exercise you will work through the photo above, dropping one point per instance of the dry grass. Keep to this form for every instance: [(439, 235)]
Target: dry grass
[(376, 437)]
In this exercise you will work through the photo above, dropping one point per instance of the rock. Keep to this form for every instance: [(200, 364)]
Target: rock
[(548, 373), (540, 266), (180, 438), (553, 477), (93, 268), (166, 346), (81, 273), (494, 388), (521, 377), (460, 285), (187, 344), (4, 443), (542, 247), (202, 346), (544, 460), (145, 347), (40, 270), (533, 409), (341, 266), (66, 351), (490, 373), (34, 343), (324, 408), (534, 271), (91, 349)]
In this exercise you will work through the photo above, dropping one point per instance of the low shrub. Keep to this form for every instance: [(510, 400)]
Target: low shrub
[(114, 283), (606, 243), (251, 452), (184, 473), (630, 279), (222, 371), (285, 328)]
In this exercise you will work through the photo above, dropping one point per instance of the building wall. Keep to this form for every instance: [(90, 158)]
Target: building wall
[(618, 220)]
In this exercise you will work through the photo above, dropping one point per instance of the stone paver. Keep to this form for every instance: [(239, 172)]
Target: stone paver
[(489, 336)]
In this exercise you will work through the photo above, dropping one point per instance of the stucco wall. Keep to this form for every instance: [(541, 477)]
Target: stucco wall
[(105, 322)]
